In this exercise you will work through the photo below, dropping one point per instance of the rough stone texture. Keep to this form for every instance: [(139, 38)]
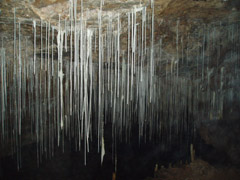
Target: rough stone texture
[(50, 9), (197, 170), (190, 13), (223, 137)]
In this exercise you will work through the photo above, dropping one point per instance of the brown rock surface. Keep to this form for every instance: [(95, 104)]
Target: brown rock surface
[(197, 170)]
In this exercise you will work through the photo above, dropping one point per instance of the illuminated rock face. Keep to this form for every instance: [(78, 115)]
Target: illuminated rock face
[(69, 68)]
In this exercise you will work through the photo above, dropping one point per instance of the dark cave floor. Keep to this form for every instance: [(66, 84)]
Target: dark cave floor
[(196, 170)]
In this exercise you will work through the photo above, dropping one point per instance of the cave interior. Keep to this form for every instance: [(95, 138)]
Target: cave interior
[(120, 89)]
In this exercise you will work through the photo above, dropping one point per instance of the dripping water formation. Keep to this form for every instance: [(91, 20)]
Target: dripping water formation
[(90, 92)]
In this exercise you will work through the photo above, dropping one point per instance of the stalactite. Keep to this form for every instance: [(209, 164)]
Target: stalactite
[(152, 53), (34, 57), (177, 36), (3, 92), (128, 81), (19, 80), (52, 52), (96, 78), (99, 71), (203, 53), (132, 57), (46, 46), (118, 54), (41, 46)]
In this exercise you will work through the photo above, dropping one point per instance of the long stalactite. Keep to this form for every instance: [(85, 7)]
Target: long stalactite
[(78, 78)]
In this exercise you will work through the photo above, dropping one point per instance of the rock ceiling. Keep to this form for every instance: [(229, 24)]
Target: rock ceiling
[(49, 10)]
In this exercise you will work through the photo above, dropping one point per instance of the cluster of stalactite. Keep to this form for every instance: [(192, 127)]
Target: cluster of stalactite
[(75, 79)]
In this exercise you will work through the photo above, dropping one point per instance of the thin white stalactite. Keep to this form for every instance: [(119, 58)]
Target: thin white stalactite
[(46, 46), (132, 69), (118, 53), (14, 46), (134, 45), (177, 37), (3, 94), (128, 82), (152, 53), (143, 33), (52, 52), (82, 63), (99, 72), (108, 54), (59, 76), (19, 92), (49, 86), (66, 34), (34, 56), (71, 58), (91, 89), (41, 48), (95, 40), (19, 80)]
